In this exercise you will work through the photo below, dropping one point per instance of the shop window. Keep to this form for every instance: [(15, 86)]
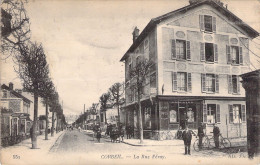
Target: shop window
[(190, 115), (173, 116), (237, 113), (147, 118)]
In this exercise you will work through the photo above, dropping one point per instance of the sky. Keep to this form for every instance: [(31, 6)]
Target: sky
[(84, 41)]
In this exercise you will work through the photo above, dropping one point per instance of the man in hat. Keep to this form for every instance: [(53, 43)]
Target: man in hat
[(216, 133), (200, 134), (187, 136)]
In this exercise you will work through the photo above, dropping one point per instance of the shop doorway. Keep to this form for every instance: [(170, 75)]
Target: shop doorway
[(183, 116)]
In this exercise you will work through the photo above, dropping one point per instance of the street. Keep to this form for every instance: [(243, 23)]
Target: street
[(80, 147)]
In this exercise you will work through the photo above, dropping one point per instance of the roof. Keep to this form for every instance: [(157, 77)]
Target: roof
[(151, 25), (16, 93)]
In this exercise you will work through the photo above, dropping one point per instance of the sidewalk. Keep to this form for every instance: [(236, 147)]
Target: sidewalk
[(23, 152)]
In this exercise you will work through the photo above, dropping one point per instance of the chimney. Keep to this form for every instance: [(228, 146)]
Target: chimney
[(135, 34), (11, 86)]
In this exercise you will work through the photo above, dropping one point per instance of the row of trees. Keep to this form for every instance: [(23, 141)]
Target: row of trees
[(30, 61)]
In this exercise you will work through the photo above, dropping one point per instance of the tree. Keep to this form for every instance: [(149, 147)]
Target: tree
[(103, 103), (15, 29), (33, 71), (139, 73), (116, 96), (48, 91), (54, 106)]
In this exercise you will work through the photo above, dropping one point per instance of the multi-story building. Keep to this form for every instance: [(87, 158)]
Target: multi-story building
[(197, 52)]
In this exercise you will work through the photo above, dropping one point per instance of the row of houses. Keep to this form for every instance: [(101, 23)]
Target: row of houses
[(198, 53), (17, 114)]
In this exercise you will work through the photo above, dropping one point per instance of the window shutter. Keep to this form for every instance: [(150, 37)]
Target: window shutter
[(230, 88), (173, 49), (228, 54), (240, 56), (214, 27), (238, 85), (174, 81), (218, 113), (205, 113), (202, 51), (217, 84), (188, 50), (230, 108), (202, 27), (216, 52), (189, 82), (203, 82), (243, 109)]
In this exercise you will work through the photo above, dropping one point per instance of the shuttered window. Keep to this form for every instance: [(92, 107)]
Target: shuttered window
[(240, 56), (209, 83), (173, 49), (180, 50), (233, 84), (218, 113), (228, 54), (243, 110), (181, 82), (208, 52), (208, 23), (202, 51), (230, 109)]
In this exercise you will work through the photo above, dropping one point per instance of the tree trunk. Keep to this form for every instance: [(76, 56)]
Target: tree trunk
[(105, 116), (47, 121), (140, 119), (52, 124), (35, 118), (118, 110)]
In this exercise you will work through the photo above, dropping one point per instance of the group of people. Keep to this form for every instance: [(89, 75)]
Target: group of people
[(187, 137)]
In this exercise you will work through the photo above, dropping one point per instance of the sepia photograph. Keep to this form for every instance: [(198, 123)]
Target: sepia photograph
[(91, 82)]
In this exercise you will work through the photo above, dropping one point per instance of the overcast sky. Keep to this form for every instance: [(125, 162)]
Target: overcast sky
[(84, 41)]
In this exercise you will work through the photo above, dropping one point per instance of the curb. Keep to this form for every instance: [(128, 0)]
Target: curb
[(58, 140)]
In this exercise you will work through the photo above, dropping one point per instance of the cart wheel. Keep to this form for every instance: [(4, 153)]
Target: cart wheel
[(196, 145)]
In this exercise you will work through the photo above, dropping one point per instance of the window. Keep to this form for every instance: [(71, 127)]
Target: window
[(190, 115), (233, 84), (234, 55), (181, 82), (147, 118), (237, 113), (181, 49), (209, 52), (211, 113), (173, 112), (207, 23), (210, 83)]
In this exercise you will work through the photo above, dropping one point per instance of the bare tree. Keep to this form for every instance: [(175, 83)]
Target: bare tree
[(139, 73), (33, 71), (103, 103), (116, 96), (15, 29)]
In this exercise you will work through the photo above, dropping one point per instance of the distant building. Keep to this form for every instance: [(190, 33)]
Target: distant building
[(198, 53)]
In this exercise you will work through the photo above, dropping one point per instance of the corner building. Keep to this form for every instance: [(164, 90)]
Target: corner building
[(198, 53)]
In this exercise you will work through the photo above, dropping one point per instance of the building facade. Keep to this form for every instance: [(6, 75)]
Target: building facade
[(198, 53)]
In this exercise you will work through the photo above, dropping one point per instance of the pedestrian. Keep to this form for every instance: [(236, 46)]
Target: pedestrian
[(216, 133), (200, 134), (187, 136), (31, 133), (98, 132)]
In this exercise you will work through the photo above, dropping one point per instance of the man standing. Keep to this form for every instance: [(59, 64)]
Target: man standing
[(187, 136), (216, 133), (200, 134)]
